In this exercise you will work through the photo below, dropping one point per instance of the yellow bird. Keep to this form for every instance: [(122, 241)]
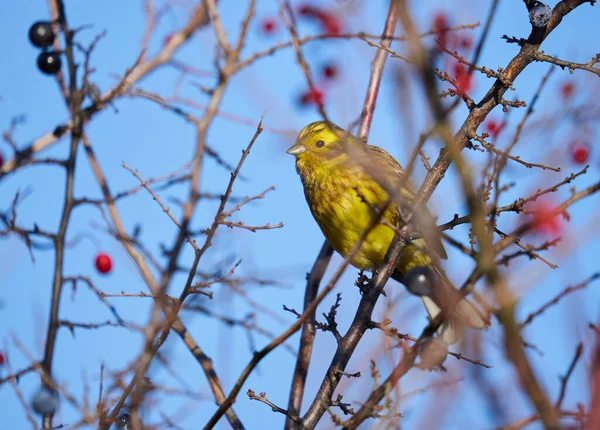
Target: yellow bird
[(345, 182)]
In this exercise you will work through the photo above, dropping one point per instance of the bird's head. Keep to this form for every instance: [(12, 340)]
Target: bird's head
[(321, 143)]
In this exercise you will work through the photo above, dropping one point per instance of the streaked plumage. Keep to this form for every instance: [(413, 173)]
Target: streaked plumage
[(339, 173)]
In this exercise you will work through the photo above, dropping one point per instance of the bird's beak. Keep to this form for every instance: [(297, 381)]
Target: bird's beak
[(298, 148)]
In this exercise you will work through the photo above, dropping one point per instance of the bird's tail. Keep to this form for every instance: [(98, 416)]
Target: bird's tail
[(461, 312), (464, 315)]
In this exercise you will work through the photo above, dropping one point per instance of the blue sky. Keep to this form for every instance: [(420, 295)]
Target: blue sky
[(156, 142)]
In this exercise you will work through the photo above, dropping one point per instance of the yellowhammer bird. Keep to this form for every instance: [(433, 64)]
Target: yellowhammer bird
[(344, 181)]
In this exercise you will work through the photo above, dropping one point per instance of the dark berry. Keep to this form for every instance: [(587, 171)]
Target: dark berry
[(2, 359), (45, 401), (41, 34), (103, 263), (49, 62), (420, 281), (540, 14), (124, 422)]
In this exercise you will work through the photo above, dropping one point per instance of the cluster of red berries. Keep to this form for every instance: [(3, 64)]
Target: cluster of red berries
[(452, 41), (579, 148), (312, 96), (316, 95), (42, 35), (330, 24), (458, 43)]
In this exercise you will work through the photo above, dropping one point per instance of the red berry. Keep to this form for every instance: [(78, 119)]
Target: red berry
[(464, 81), (103, 263), (331, 24), (440, 27), (2, 359), (269, 26), (330, 71), (312, 96), (1, 160), (545, 221), (580, 152), (493, 127), (459, 69), (566, 90), (308, 10), (465, 42)]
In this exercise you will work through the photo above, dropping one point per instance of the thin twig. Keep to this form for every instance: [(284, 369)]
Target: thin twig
[(564, 380)]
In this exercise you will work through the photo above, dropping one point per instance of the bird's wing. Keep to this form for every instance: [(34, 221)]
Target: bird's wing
[(387, 165), (385, 169)]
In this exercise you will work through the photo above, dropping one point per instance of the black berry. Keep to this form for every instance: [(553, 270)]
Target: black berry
[(124, 422), (41, 34), (540, 14), (45, 401), (49, 62)]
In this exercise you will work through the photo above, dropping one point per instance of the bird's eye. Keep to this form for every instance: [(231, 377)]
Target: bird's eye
[(320, 144)]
